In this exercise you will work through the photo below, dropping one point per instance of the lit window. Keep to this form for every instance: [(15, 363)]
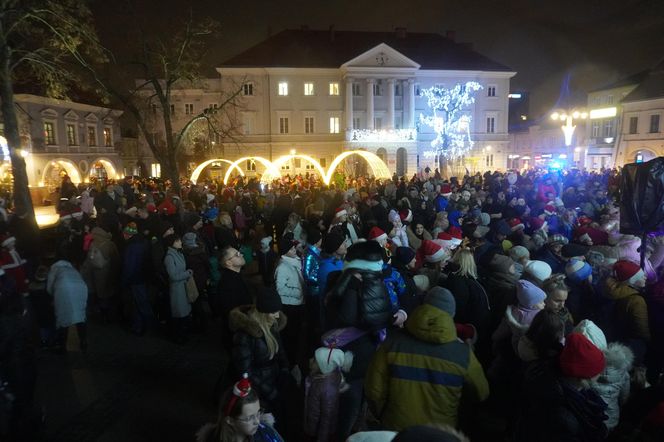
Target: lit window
[(108, 137), (608, 128), (595, 129), (308, 89), (189, 108), (283, 125), (334, 88), (92, 136), (251, 165), (356, 90), (308, 125), (248, 89), (155, 168), (49, 132), (71, 135), (334, 125), (283, 88), (491, 91)]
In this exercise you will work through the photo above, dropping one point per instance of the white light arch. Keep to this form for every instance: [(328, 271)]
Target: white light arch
[(271, 172), (67, 165), (281, 160), (199, 169), (111, 172), (378, 166)]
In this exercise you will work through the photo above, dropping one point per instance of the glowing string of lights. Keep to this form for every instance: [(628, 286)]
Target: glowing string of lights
[(199, 169)]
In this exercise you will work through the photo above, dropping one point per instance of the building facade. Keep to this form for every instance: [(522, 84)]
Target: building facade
[(64, 137), (319, 93), (543, 145)]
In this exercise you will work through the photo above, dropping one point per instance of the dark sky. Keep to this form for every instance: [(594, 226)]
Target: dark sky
[(593, 40)]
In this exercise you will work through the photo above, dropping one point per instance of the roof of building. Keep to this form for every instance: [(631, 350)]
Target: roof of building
[(330, 49), (630, 80), (652, 85)]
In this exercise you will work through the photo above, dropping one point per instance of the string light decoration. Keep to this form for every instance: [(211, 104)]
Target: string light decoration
[(199, 169), (448, 120)]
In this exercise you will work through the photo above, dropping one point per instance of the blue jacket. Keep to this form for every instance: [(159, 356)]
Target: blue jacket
[(135, 261), (327, 266), (310, 270), (395, 285)]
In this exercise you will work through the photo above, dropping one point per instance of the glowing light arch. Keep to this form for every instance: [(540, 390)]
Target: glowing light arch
[(378, 166), (67, 165), (199, 169), (281, 160), (111, 172), (271, 172)]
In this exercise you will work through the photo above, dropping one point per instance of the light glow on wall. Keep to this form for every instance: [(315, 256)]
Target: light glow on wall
[(271, 172), (378, 166), (378, 136), (283, 159), (606, 112)]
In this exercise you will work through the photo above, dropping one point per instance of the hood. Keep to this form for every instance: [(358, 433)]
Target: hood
[(512, 315), (618, 357), (619, 290), (61, 264), (296, 263), (239, 320), (431, 324), (100, 235)]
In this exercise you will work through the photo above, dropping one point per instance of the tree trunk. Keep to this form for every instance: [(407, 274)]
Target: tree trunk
[(21, 192)]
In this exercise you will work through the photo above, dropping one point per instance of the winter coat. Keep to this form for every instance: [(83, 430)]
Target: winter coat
[(103, 263), (417, 376), (251, 355), (233, 291), (359, 303), (321, 405), (310, 268), (289, 281), (197, 260), (613, 385), (557, 264), (472, 301), (501, 288), (266, 264), (630, 312), (178, 275), (328, 265), (656, 321), (70, 294), (135, 260)]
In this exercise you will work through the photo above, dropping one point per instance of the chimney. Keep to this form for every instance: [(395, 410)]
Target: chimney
[(400, 33), (332, 33), (450, 35)]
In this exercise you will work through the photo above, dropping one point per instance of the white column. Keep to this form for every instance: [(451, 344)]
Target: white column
[(390, 103), (410, 122), (349, 104), (370, 103)]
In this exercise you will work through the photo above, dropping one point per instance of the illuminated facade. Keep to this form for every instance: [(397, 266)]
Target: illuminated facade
[(59, 137), (321, 93)]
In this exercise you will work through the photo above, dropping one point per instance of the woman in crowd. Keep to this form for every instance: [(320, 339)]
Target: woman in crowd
[(178, 274)]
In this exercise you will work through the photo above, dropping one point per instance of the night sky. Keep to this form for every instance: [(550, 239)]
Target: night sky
[(594, 41)]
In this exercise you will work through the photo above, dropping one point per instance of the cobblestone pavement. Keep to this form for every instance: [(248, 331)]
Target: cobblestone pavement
[(129, 388)]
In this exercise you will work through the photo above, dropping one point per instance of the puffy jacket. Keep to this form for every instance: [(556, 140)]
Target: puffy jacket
[(251, 355), (472, 301), (321, 406), (417, 376), (630, 312), (613, 384), (310, 269), (360, 303), (289, 282)]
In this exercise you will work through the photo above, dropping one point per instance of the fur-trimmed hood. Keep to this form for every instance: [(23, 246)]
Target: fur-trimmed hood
[(514, 313), (619, 358), (239, 320)]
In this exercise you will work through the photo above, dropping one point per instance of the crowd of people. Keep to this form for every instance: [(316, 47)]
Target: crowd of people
[(489, 307)]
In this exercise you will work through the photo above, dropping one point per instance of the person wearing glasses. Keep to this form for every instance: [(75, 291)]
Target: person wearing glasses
[(233, 290), (240, 418)]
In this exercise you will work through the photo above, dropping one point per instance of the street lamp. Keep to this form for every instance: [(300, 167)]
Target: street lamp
[(567, 118)]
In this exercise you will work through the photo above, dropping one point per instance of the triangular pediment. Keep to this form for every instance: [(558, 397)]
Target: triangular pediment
[(91, 118), (71, 115), (381, 56), (49, 113)]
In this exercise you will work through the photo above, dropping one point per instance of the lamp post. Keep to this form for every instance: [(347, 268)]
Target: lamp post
[(567, 118)]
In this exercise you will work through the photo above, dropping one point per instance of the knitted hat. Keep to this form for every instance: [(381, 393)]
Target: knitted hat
[(313, 235), (341, 211), (211, 213), (627, 271), (442, 299), (333, 241), (580, 358), (331, 359), (286, 243), (164, 227), (500, 263), (268, 301), (404, 255), (130, 229), (538, 269), (537, 223), (557, 239), (549, 209), (519, 252), (485, 219), (421, 282), (189, 240), (365, 251), (150, 207), (573, 250), (591, 331), (516, 224), (528, 294), (376, 234), (7, 240), (406, 215), (502, 228), (480, 231), (577, 270), (431, 251)]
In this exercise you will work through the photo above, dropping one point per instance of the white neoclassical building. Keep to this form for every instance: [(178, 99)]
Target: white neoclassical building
[(320, 93)]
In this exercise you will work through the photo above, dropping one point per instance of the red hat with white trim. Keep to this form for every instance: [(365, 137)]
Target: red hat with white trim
[(446, 190), (549, 209), (6, 240), (446, 240), (516, 224), (341, 211), (432, 252), (406, 215), (626, 271), (377, 234)]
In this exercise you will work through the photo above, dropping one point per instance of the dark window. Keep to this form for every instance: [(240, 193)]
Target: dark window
[(633, 125), (654, 123)]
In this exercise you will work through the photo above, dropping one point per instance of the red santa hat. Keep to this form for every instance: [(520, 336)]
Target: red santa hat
[(446, 189), (406, 215), (341, 211), (431, 251), (626, 271), (516, 224), (377, 234), (549, 209), (445, 240), (6, 240), (584, 220), (455, 232), (537, 223)]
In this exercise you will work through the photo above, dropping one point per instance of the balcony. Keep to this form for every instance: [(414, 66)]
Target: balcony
[(381, 136)]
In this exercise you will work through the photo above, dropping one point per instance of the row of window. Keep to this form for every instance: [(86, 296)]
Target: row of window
[(309, 89), (606, 128), (284, 125), (634, 124), (51, 138), (188, 108)]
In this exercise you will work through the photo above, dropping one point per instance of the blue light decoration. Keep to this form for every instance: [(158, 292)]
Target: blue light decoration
[(448, 120)]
